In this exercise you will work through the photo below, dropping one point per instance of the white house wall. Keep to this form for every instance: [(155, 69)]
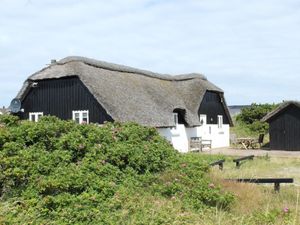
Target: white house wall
[(180, 136)]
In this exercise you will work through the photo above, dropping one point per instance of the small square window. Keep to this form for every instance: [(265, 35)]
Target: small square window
[(32, 117), (81, 117), (203, 119), (35, 116)]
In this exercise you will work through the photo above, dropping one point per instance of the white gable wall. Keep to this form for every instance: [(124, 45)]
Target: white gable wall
[(181, 135)]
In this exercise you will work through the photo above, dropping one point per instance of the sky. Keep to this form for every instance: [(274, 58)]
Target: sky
[(250, 49)]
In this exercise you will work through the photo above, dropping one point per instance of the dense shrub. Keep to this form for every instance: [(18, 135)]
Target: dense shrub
[(59, 172), (251, 117), (8, 120)]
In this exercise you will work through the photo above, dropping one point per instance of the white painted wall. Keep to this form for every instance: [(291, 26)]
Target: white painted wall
[(181, 135), (177, 136)]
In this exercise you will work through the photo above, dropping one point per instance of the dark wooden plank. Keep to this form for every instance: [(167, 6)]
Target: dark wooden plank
[(212, 106), (275, 181), (59, 97), (285, 129), (243, 158), (238, 160), (219, 162), (264, 180)]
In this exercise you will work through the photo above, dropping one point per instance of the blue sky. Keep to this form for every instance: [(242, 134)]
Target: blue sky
[(251, 49)]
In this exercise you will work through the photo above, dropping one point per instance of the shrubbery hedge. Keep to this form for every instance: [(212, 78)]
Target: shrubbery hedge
[(251, 117), (59, 172)]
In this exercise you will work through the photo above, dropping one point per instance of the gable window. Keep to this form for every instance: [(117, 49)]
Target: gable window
[(203, 119), (179, 116), (35, 116), (220, 121), (81, 116)]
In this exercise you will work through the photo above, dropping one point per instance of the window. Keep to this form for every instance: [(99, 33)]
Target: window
[(175, 115), (179, 116), (202, 119), (35, 116), (220, 121), (81, 116)]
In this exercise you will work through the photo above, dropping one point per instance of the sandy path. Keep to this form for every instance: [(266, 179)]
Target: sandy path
[(256, 152)]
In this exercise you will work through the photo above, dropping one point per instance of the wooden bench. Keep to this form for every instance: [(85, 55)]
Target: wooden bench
[(219, 162), (205, 144), (275, 181), (238, 161), (197, 144)]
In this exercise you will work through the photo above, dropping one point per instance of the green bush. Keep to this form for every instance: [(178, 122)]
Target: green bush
[(251, 117), (59, 172), (8, 120)]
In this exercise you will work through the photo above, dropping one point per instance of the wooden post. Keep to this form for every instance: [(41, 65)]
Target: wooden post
[(276, 187), (221, 166)]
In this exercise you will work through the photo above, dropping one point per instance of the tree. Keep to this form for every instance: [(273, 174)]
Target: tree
[(251, 116)]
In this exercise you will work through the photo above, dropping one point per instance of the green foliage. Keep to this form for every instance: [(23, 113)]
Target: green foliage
[(251, 116), (270, 217), (59, 172), (187, 180), (8, 120)]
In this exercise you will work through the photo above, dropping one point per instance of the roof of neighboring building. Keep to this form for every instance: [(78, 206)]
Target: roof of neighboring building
[(279, 109), (4, 110), (130, 94)]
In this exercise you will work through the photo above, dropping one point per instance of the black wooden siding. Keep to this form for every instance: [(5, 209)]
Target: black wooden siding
[(212, 106), (59, 97), (285, 130)]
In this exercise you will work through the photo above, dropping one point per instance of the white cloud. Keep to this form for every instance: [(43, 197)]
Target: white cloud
[(226, 40)]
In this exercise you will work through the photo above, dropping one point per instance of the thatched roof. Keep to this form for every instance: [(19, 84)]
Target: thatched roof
[(129, 94), (279, 109)]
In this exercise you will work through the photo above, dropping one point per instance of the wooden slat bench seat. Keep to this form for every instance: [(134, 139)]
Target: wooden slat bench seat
[(238, 161), (275, 181), (198, 144), (219, 162), (206, 143)]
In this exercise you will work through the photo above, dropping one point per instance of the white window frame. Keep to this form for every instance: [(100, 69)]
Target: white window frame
[(203, 117), (175, 116), (36, 115), (220, 121), (81, 112), (174, 130)]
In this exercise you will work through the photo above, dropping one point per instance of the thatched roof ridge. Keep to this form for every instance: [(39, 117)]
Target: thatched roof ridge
[(127, 69), (279, 109), (129, 94)]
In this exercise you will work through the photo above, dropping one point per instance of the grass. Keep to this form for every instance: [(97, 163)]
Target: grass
[(259, 204), (254, 204), (241, 130), (262, 167)]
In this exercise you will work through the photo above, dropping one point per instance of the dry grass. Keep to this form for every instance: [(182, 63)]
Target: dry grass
[(256, 203)]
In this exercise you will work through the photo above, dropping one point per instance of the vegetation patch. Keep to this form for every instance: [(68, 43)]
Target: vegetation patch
[(59, 172), (248, 123)]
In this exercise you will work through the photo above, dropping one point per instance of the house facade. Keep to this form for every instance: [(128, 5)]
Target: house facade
[(92, 91), (3, 111), (284, 126)]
